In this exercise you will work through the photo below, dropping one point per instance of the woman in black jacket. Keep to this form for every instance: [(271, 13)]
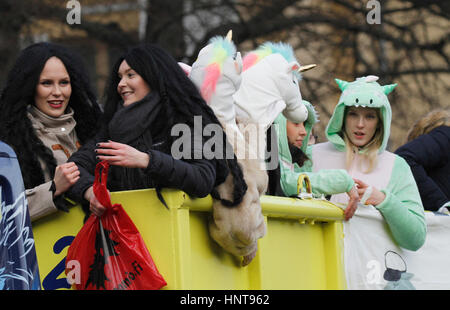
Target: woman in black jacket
[(428, 154), (148, 94)]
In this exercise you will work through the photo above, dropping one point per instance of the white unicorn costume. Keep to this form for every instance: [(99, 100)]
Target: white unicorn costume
[(267, 86), (270, 85), (217, 73)]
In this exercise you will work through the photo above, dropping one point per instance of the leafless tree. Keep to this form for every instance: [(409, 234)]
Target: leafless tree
[(410, 46)]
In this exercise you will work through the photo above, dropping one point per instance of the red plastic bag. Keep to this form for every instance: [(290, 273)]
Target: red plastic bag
[(109, 249)]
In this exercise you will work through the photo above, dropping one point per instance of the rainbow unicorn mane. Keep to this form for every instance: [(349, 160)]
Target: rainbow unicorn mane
[(221, 50), (267, 49)]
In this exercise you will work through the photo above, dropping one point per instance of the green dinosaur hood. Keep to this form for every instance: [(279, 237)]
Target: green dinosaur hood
[(365, 92)]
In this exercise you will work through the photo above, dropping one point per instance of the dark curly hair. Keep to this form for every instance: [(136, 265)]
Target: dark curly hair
[(181, 102), (19, 92)]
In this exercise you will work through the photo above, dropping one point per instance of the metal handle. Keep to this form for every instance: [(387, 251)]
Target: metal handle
[(304, 178)]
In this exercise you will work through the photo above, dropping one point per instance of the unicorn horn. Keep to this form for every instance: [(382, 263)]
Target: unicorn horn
[(229, 35), (306, 68)]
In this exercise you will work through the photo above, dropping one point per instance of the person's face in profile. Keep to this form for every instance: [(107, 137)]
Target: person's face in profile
[(132, 87), (53, 89), (296, 133)]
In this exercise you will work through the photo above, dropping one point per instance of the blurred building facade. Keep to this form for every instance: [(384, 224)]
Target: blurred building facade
[(344, 52), (128, 15)]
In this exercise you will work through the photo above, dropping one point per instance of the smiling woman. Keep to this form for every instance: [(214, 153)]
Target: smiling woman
[(147, 96), (132, 87), (53, 89), (47, 110)]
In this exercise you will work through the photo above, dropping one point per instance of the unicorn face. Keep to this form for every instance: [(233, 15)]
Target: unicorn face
[(288, 87), (270, 86), (216, 73)]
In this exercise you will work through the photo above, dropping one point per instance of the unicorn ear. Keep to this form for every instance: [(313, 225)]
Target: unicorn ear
[(342, 84), (229, 35), (306, 68), (388, 88), (238, 62), (293, 66), (186, 68)]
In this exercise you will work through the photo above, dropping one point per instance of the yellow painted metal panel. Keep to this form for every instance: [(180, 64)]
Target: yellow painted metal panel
[(334, 260), (212, 268), (53, 235), (294, 256), (301, 250), (156, 226)]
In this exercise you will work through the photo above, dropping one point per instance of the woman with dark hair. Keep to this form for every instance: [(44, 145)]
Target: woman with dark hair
[(148, 94), (293, 141), (47, 110)]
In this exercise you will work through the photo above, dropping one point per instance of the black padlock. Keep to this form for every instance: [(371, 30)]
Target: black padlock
[(392, 274)]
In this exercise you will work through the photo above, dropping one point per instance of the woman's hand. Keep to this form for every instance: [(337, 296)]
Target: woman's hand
[(94, 205), (66, 175), (375, 198), (352, 203), (120, 154)]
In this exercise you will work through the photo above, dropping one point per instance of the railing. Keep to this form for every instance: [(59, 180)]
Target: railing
[(302, 249)]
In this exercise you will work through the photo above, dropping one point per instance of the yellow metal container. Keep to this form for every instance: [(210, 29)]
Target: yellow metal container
[(303, 247)]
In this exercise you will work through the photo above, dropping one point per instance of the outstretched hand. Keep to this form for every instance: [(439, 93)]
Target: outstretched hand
[(120, 154), (375, 198)]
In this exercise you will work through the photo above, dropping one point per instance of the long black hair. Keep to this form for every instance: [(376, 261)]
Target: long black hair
[(180, 100), (19, 92)]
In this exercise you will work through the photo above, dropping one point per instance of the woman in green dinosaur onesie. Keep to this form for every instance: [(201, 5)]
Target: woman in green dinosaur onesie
[(292, 145), (357, 134)]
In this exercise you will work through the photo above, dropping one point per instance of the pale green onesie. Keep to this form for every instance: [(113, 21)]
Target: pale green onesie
[(402, 208)]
